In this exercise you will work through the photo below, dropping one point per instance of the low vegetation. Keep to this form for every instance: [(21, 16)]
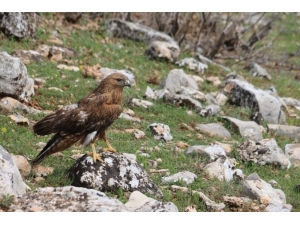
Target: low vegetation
[(96, 47)]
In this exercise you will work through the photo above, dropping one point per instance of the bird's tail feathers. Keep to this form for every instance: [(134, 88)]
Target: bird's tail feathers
[(48, 149)]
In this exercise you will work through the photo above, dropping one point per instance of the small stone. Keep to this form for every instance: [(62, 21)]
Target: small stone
[(42, 171), (181, 144), (152, 163), (287, 176), (159, 160)]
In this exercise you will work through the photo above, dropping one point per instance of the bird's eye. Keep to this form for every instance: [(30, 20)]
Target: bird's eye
[(119, 80)]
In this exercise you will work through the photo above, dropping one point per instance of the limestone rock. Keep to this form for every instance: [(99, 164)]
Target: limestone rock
[(22, 164), (8, 105), (213, 152), (214, 129), (42, 171), (247, 129), (183, 101), (10, 178), (292, 152), (177, 78), (107, 71), (117, 171), (56, 53), (160, 131), (14, 80), (139, 202), (28, 57), (186, 176), (192, 64), (128, 117), (263, 152), (285, 130), (244, 94), (136, 32), (163, 50), (210, 205), (223, 168), (257, 71), (210, 110), (66, 199), (257, 188), (18, 24), (141, 103)]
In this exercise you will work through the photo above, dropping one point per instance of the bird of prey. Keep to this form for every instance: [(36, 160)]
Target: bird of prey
[(84, 122)]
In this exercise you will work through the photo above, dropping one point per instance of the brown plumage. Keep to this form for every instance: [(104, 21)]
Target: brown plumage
[(86, 121)]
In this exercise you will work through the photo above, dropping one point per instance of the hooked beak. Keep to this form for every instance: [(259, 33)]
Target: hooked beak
[(127, 83)]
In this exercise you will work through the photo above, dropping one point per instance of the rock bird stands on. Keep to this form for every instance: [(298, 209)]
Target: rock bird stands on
[(86, 121)]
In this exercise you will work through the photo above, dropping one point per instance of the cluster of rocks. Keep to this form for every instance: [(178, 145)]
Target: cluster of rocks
[(121, 171)]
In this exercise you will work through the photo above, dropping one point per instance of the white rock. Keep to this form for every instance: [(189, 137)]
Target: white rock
[(186, 176)]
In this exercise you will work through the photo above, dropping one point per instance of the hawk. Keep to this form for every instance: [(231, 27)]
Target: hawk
[(84, 122)]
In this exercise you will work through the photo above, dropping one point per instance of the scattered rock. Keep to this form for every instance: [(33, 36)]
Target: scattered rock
[(56, 53), (160, 131), (257, 71), (190, 208), (117, 171), (42, 171), (18, 24), (152, 163), (8, 105), (263, 152), (209, 110), (223, 168), (19, 119), (285, 131), (210, 205), (139, 202), (10, 178), (107, 71), (163, 50), (136, 32), (161, 171), (66, 199), (55, 89), (183, 101), (256, 188), (195, 94), (221, 99), (150, 94), (192, 64), (22, 164), (128, 117), (247, 129), (141, 103), (208, 61), (64, 67), (292, 152), (236, 202), (93, 71), (214, 80), (181, 144), (28, 57), (213, 129), (131, 157), (14, 80), (177, 78), (212, 152), (186, 176), (244, 94)]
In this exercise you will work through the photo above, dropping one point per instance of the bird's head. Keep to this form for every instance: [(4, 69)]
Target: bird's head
[(118, 79)]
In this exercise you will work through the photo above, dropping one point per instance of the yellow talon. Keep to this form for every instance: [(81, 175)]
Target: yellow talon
[(94, 154), (109, 147)]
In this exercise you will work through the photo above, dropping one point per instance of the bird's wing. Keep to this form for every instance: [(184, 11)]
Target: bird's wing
[(90, 114)]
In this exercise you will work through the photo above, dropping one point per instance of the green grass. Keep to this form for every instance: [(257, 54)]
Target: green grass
[(95, 47)]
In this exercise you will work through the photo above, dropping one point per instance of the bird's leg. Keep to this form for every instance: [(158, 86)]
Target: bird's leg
[(94, 154), (109, 147)]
